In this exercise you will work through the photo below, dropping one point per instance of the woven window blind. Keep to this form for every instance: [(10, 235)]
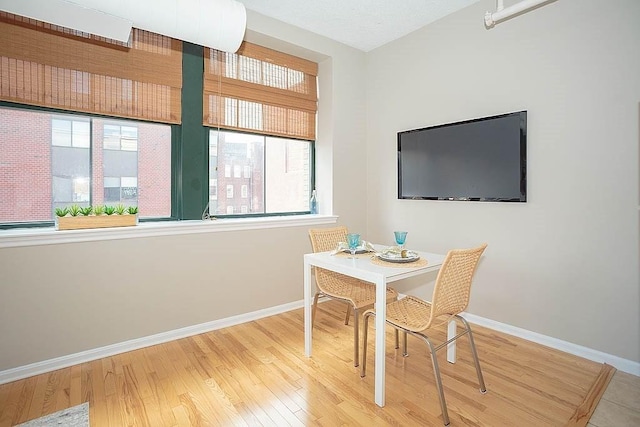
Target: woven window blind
[(49, 66), (262, 91)]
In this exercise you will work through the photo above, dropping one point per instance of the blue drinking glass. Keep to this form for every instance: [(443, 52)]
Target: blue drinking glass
[(400, 236), (353, 240)]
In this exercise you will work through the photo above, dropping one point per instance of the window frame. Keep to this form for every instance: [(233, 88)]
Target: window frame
[(59, 114), (312, 175)]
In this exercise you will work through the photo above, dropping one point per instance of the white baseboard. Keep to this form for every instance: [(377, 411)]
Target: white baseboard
[(37, 368), (624, 365), (135, 344)]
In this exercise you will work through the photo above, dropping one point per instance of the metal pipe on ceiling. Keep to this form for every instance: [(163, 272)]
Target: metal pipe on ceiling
[(502, 13)]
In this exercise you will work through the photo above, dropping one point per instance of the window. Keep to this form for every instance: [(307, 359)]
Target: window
[(276, 180), (54, 160), (81, 189), (70, 133), (111, 189), (227, 171), (128, 188), (260, 106), (121, 190), (118, 137)]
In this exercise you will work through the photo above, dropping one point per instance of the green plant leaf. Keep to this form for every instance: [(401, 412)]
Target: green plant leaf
[(62, 211), (74, 210)]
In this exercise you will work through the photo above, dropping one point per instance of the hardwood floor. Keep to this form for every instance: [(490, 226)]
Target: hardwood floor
[(256, 374)]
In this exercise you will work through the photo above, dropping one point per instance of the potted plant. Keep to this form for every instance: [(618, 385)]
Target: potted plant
[(75, 217)]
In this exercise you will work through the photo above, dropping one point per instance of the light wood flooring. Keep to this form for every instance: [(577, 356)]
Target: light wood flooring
[(256, 374)]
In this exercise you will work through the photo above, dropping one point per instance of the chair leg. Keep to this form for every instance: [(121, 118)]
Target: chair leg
[(436, 372), (397, 338), (365, 332), (404, 344), (356, 337), (346, 318), (476, 361), (315, 305)]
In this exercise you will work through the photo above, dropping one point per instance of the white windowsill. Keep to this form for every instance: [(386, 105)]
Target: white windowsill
[(49, 236)]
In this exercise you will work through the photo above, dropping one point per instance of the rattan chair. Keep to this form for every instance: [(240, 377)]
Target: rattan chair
[(356, 293), (450, 297)]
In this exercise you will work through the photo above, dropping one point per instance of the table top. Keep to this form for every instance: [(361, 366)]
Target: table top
[(362, 267)]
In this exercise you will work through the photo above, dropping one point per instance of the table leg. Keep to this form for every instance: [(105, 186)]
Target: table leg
[(381, 315), (307, 308), (451, 347)]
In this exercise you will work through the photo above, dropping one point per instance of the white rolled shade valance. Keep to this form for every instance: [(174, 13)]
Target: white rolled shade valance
[(218, 24)]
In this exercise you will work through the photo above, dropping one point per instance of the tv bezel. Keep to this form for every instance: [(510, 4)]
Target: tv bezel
[(522, 115)]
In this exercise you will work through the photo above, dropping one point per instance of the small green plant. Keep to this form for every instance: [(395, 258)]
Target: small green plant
[(98, 210), (132, 210), (109, 210), (86, 211), (74, 210), (62, 211), (120, 209)]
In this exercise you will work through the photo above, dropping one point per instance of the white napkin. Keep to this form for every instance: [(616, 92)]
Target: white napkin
[(344, 247)]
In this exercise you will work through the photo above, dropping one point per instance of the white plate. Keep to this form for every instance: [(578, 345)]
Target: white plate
[(396, 257)]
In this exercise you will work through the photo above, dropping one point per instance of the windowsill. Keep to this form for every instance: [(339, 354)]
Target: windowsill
[(50, 236)]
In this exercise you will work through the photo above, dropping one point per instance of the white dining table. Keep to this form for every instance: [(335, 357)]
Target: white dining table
[(363, 268)]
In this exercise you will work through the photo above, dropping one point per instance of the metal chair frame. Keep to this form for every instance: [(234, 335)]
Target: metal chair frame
[(344, 285), (445, 302), (434, 360)]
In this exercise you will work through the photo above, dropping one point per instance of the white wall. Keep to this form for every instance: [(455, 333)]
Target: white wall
[(566, 263)]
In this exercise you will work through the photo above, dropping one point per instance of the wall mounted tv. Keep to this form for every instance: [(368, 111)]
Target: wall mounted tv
[(474, 160)]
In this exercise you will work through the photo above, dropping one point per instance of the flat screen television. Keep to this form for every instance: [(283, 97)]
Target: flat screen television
[(473, 160)]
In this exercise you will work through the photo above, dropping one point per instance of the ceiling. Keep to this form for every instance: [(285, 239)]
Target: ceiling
[(362, 24)]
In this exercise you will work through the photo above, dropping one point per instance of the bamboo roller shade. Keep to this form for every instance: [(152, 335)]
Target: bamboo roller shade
[(260, 90), (40, 67)]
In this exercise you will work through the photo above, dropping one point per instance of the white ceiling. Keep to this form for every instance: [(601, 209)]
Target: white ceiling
[(363, 24)]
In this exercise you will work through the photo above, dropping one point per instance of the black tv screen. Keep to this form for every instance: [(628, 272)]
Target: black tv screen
[(476, 160)]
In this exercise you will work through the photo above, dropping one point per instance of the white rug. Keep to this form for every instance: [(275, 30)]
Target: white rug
[(76, 416)]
